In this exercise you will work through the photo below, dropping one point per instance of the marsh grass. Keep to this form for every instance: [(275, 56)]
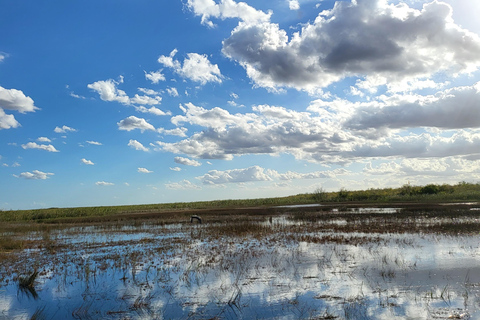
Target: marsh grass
[(26, 284)]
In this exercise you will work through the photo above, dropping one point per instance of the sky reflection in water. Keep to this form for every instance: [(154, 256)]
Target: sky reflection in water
[(158, 272)]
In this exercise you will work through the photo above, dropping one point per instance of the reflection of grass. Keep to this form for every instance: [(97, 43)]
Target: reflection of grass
[(27, 284)]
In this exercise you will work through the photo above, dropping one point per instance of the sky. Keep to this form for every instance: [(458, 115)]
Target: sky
[(115, 102)]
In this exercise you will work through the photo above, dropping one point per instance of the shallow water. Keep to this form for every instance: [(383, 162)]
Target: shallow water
[(184, 271)]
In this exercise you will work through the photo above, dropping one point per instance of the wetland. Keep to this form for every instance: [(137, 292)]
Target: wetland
[(335, 261)]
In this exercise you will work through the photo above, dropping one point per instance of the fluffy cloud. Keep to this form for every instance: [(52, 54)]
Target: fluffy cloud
[(173, 92), (454, 108), (152, 110), (226, 9), (176, 169), (34, 145), (108, 91), (43, 139), (35, 175), (195, 67), (187, 162), (16, 100), (181, 132), (271, 130), (293, 4), (87, 162), (155, 76), (137, 145), (104, 183), (64, 129), (182, 185), (13, 99), (7, 121), (254, 173), (132, 123), (144, 170), (369, 38)]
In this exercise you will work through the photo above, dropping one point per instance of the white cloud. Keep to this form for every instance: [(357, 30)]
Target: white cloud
[(182, 185), (146, 100), (35, 175), (137, 145), (195, 67), (187, 162), (293, 4), (64, 129), (3, 56), (180, 132), (394, 43), (87, 162), (43, 139), (176, 169), (149, 92), (226, 9), (96, 143), (152, 110), (254, 173), (104, 183), (132, 123), (454, 108), (108, 91), (155, 76), (172, 91), (13, 99), (7, 121), (144, 170), (34, 145)]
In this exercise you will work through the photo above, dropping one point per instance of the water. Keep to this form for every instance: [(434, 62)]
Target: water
[(189, 271)]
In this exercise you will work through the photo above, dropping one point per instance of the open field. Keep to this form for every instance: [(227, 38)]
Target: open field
[(330, 261)]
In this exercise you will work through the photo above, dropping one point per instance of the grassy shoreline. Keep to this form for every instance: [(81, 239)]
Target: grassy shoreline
[(406, 194)]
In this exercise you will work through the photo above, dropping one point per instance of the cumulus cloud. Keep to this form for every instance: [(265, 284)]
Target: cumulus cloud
[(155, 76), (370, 38), (87, 162), (182, 185), (144, 170), (271, 130), (152, 110), (13, 99), (64, 129), (226, 9), (254, 173), (455, 108), (7, 121), (35, 175), (108, 91), (180, 132), (196, 67), (34, 145), (137, 145), (43, 139), (187, 162), (132, 123), (104, 183), (16, 100), (293, 4)]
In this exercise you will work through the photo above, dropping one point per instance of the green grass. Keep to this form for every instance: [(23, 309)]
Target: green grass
[(430, 193)]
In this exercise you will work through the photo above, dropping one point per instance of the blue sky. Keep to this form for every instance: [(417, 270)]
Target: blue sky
[(126, 102)]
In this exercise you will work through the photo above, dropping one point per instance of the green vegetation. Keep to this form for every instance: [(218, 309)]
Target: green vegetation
[(462, 191)]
